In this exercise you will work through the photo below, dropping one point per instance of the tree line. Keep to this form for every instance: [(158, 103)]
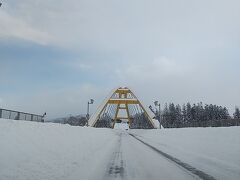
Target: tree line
[(189, 113)]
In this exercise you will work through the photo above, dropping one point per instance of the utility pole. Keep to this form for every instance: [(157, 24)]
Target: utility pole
[(87, 116)]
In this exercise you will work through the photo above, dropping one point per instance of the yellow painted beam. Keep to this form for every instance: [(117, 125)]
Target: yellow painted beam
[(122, 91), (123, 101), (122, 118)]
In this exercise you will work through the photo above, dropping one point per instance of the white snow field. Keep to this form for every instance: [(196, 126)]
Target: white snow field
[(36, 151)]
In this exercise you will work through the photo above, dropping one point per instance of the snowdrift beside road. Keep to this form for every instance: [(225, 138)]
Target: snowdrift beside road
[(37, 151)]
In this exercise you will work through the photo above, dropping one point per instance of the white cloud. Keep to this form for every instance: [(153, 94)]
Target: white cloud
[(152, 70), (78, 65), (84, 66), (13, 27), (130, 26), (169, 67)]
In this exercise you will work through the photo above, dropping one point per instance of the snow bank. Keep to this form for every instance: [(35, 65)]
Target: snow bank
[(215, 151), (31, 150)]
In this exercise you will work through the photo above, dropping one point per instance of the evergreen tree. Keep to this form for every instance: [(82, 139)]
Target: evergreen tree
[(236, 114), (172, 113), (189, 116), (176, 116), (178, 113), (206, 112), (165, 114), (201, 112), (184, 113), (193, 112)]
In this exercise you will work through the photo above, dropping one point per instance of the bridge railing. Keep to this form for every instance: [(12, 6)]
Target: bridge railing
[(17, 115)]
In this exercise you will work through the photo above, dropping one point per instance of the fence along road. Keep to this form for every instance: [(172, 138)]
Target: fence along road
[(18, 115)]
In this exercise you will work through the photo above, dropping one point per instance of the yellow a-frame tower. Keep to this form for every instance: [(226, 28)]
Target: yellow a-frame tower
[(122, 99)]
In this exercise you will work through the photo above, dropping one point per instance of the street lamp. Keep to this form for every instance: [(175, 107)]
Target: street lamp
[(42, 120), (157, 112), (89, 102)]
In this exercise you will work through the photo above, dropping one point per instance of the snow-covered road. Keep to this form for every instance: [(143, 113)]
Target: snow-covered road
[(36, 151), (133, 160)]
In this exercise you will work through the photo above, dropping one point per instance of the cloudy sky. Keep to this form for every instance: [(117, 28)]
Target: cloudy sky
[(55, 55)]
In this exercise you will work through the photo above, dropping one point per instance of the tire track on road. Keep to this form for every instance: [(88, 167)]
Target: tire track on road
[(186, 166), (116, 169)]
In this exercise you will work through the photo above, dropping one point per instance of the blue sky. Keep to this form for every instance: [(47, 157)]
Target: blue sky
[(36, 66), (55, 55)]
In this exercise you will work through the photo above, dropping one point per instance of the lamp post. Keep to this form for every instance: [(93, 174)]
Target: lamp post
[(89, 102), (42, 120), (157, 112)]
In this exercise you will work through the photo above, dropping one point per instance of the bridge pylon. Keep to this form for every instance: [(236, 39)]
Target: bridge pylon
[(122, 105)]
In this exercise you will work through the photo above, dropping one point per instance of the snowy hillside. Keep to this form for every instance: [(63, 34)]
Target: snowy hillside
[(37, 151)]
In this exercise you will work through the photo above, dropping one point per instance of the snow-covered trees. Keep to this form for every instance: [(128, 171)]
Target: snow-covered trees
[(236, 114), (196, 113), (75, 120)]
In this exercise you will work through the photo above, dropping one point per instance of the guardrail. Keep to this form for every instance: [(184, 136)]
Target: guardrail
[(17, 115)]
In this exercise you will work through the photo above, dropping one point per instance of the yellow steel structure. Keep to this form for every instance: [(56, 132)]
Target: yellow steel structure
[(123, 101), (122, 98)]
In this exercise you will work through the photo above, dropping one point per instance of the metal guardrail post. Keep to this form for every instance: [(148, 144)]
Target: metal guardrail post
[(10, 115), (0, 113), (18, 116), (42, 120)]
